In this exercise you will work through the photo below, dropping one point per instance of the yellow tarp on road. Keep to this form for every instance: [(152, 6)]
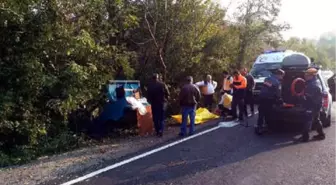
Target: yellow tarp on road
[(202, 115)]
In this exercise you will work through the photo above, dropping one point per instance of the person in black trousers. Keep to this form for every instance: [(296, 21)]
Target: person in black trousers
[(249, 99), (158, 95), (239, 88), (312, 102), (270, 95), (208, 87)]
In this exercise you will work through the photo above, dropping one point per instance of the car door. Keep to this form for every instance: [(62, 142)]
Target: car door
[(327, 99)]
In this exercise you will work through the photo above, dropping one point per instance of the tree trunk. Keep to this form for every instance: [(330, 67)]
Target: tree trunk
[(163, 65), (241, 55)]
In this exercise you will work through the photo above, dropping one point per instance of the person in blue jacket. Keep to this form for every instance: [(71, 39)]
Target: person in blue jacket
[(270, 94), (312, 102)]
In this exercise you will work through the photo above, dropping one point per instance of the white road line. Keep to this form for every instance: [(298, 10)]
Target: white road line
[(228, 124), (116, 165), (87, 176)]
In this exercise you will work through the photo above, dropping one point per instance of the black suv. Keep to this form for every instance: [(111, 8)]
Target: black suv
[(294, 66)]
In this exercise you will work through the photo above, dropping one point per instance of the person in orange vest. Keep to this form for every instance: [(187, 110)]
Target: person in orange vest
[(239, 85), (226, 88), (208, 87)]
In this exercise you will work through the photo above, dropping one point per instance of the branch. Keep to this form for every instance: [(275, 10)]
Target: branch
[(10, 11), (140, 43), (151, 32), (156, 44)]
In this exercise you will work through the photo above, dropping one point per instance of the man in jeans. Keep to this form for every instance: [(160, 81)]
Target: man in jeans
[(189, 97), (158, 95)]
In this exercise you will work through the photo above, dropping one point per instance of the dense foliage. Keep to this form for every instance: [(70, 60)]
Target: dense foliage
[(57, 55)]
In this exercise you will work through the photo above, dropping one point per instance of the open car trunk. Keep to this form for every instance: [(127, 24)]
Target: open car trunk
[(286, 93), (294, 66), (289, 114)]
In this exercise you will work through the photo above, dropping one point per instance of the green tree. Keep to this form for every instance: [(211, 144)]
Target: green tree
[(257, 22), (55, 56), (172, 35)]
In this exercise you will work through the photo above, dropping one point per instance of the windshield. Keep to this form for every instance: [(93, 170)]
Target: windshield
[(262, 70)]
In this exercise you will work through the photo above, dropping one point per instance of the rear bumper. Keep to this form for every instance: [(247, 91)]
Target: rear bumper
[(288, 115), (292, 115)]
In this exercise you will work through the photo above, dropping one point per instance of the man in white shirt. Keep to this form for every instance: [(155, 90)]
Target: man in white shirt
[(208, 87)]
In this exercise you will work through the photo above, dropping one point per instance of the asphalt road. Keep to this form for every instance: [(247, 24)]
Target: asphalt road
[(233, 156)]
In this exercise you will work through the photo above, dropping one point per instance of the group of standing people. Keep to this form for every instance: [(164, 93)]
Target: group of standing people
[(158, 96), (270, 95), (240, 86)]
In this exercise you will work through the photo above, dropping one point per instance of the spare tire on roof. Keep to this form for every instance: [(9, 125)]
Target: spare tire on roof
[(296, 60)]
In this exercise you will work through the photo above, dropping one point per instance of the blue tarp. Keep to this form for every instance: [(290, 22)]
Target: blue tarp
[(114, 110)]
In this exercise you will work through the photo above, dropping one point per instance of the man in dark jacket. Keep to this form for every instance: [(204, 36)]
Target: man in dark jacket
[(158, 95), (270, 94), (189, 97), (313, 104), (249, 100)]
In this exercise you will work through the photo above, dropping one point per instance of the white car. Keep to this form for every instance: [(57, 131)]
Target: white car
[(264, 63)]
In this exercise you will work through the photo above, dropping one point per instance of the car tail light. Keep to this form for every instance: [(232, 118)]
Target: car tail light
[(325, 100)]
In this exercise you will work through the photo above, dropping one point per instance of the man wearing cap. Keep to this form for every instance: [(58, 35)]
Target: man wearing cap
[(158, 95), (312, 103), (270, 94)]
